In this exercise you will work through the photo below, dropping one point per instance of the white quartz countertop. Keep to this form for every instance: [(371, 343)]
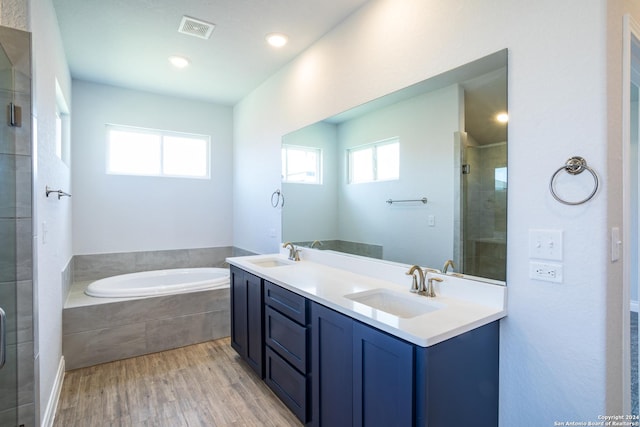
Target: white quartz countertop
[(463, 304)]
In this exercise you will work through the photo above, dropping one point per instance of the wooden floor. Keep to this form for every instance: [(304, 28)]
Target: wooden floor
[(200, 385)]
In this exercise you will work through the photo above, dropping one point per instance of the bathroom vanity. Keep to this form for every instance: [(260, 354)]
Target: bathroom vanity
[(344, 347)]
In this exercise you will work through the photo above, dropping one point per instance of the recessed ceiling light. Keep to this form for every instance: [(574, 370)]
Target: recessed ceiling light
[(277, 39), (502, 117), (179, 61)]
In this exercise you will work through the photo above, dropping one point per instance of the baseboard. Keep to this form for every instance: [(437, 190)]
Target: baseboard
[(634, 306), (52, 404)]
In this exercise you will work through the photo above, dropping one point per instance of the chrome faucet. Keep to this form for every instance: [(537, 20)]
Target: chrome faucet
[(447, 264), (415, 287), (294, 254), (431, 292)]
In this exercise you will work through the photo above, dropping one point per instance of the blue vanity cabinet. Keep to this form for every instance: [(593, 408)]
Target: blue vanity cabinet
[(332, 367), (332, 370), (247, 336), (363, 376), (383, 378), (287, 332), (461, 380)]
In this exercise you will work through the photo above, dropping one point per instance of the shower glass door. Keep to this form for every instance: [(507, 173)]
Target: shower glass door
[(9, 397)]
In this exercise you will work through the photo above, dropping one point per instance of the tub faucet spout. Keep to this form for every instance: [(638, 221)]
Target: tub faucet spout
[(448, 264)]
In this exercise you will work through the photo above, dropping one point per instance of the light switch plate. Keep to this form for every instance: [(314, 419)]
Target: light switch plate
[(545, 244), (616, 244)]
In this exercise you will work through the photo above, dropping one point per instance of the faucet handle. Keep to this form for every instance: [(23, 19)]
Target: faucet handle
[(431, 292)]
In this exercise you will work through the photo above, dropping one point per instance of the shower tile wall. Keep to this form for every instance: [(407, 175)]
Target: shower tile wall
[(486, 207), (16, 252)]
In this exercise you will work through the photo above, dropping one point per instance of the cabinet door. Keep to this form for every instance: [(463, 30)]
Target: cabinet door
[(383, 369), (254, 313), (238, 296), (332, 369)]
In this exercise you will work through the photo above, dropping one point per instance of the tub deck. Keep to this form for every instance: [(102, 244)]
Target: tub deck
[(99, 330)]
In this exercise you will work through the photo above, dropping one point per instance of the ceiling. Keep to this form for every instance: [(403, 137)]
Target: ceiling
[(484, 98), (127, 42)]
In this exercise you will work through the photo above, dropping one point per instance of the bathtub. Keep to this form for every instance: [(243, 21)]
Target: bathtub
[(159, 282)]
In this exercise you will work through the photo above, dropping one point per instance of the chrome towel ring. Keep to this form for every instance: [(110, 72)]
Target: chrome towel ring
[(574, 166), (277, 198)]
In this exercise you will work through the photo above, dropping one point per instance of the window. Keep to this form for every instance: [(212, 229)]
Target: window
[(58, 134), (500, 175), (301, 165), (62, 122), (136, 151), (379, 161)]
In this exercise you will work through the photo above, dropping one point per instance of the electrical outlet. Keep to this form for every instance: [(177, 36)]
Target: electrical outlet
[(545, 271)]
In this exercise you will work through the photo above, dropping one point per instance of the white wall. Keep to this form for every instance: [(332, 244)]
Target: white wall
[(115, 213), (560, 345), (53, 247)]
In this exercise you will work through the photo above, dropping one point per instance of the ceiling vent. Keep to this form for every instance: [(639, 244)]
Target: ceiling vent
[(195, 27)]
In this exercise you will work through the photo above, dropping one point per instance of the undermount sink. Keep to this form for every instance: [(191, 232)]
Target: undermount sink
[(271, 262), (404, 306)]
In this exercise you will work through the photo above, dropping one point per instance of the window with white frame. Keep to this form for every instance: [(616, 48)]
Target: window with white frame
[(301, 165), (58, 134), (62, 123), (379, 161), (150, 152)]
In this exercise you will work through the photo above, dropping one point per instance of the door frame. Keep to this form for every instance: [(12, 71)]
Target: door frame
[(631, 31)]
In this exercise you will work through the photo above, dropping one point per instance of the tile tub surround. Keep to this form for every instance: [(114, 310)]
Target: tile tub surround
[(99, 330), (99, 266), (345, 246)]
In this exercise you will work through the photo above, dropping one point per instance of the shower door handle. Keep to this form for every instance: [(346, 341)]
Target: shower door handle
[(3, 338)]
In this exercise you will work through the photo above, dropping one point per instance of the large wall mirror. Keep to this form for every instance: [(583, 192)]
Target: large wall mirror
[(418, 176)]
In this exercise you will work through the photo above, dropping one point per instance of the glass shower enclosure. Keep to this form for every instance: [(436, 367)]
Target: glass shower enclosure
[(16, 255)]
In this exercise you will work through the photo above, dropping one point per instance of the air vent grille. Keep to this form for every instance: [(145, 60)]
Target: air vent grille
[(195, 27)]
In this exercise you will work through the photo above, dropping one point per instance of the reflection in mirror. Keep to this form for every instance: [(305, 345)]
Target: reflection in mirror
[(440, 139)]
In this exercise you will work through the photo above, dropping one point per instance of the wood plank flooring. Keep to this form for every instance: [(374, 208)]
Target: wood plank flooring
[(200, 385)]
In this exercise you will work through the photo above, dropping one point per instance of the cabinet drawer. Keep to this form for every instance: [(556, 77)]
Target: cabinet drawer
[(286, 302), (287, 338), (287, 383)]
